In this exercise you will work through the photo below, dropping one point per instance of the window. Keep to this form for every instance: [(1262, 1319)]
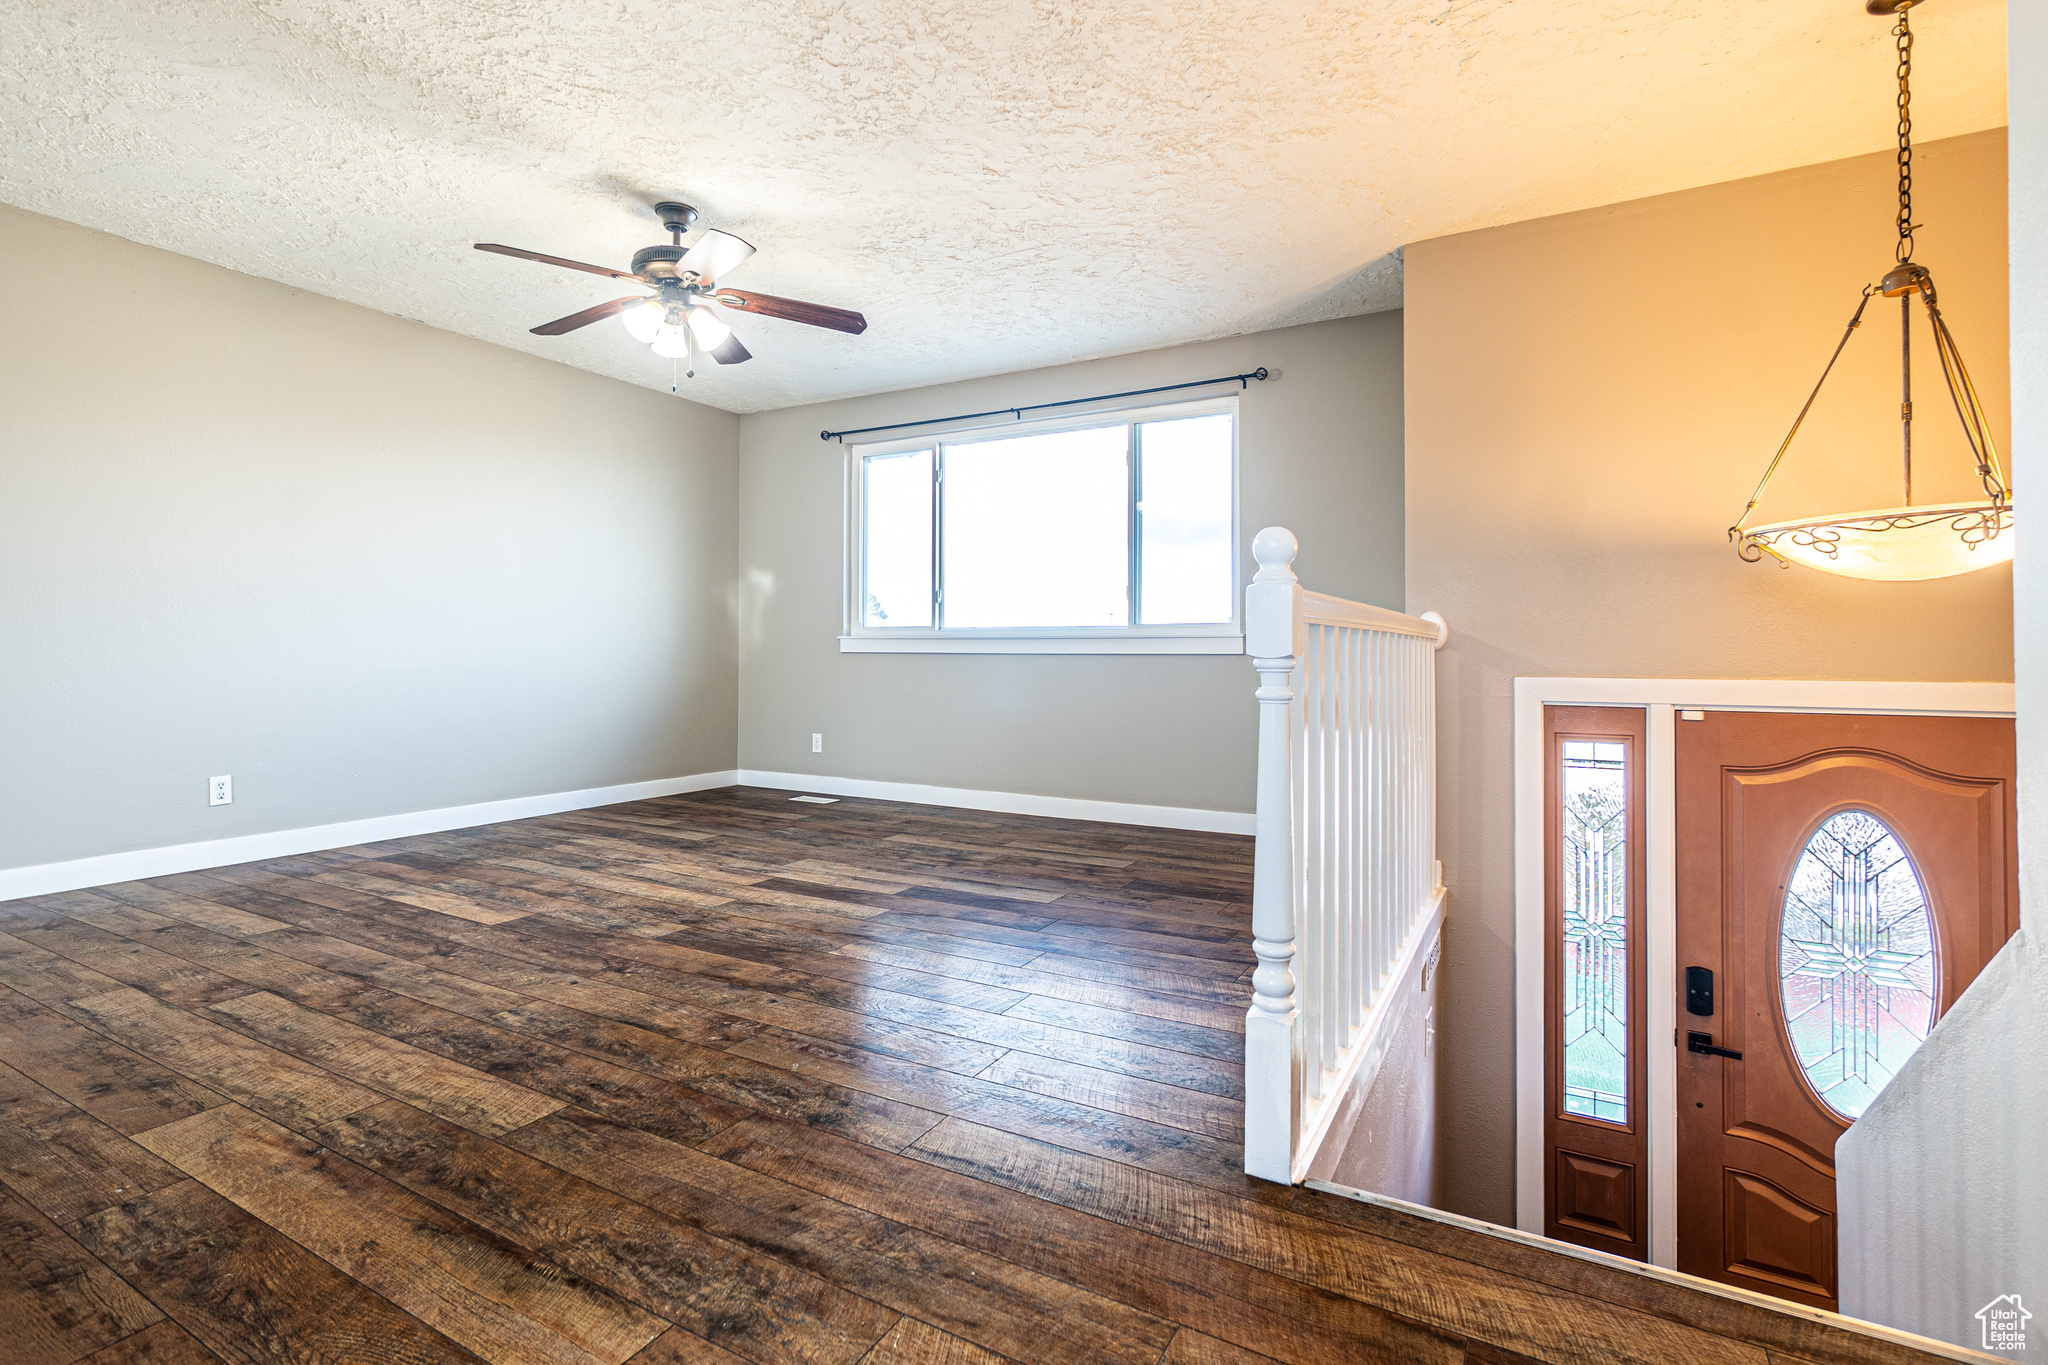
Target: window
[(1110, 533), (1855, 960), (1594, 876)]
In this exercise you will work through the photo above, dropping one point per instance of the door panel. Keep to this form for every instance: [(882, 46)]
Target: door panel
[(1807, 847), (1597, 1196), (1775, 1236)]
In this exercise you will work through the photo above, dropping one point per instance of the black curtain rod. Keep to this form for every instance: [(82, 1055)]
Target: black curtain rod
[(1242, 380)]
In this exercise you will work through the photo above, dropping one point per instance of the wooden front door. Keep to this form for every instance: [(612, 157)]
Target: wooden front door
[(1841, 879)]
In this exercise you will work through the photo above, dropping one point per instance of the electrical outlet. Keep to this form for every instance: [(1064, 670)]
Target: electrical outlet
[(817, 744), (220, 791)]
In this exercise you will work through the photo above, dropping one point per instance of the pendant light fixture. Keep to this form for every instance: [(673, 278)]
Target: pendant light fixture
[(1907, 542)]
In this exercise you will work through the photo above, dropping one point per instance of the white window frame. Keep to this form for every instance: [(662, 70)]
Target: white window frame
[(1214, 638)]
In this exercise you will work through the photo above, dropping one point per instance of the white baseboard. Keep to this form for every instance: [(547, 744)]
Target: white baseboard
[(45, 878), (1013, 803)]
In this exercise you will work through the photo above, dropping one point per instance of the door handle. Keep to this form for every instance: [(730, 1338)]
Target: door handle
[(1704, 1042)]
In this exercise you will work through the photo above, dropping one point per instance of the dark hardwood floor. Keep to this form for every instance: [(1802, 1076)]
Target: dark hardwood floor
[(712, 1079)]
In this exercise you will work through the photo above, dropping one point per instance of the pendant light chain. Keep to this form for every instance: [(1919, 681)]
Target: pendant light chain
[(1904, 34)]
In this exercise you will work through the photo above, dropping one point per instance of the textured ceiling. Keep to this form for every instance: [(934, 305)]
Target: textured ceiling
[(997, 184)]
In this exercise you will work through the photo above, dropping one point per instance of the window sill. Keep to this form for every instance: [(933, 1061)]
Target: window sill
[(1041, 644)]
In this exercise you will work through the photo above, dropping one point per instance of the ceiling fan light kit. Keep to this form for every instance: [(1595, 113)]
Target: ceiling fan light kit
[(680, 317), (1905, 543), (644, 319)]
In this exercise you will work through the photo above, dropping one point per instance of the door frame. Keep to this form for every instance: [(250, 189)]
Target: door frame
[(1660, 700)]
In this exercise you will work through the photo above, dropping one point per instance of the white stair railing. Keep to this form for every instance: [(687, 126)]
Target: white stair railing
[(1345, 881)]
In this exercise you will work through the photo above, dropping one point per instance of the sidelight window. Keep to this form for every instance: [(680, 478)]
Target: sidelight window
[(1594, 890)]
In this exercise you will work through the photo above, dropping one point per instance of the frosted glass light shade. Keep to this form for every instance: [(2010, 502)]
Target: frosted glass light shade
[(711, 333), (671, 343), (643, 320), (1893, 544)]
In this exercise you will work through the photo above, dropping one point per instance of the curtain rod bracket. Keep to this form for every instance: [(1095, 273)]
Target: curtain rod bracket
[(1243, 381)]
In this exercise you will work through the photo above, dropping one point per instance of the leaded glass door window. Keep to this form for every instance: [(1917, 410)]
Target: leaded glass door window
[(1596, 1189), (1855, 960)]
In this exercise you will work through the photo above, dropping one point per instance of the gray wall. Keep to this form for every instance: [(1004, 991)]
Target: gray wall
[(364, 566), (1944, 1180), (1590, 400), (1320, 452)]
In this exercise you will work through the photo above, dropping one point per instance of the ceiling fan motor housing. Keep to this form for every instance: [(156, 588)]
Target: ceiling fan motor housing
[(659, 261)]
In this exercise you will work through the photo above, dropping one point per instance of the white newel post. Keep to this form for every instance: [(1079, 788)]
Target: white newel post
[(1272, 1111)]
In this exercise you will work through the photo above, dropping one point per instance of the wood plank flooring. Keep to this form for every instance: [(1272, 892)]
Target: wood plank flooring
[(715, 1079)]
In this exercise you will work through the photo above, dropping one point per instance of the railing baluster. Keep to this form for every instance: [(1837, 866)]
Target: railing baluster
[(1312, 863), (1383, 705), (1405, 898), (1332, 842), (1398, 909), (1350, 852), (1345, 854), (1411, 891), (1313, 949), (1340, 838), (1355, 1003), (1348, 984), (1397, 778), (1368, 842), (1377, 699)]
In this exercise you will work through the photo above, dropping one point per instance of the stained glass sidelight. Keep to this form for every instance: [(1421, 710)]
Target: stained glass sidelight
[(1856, 960), (1594, 887)]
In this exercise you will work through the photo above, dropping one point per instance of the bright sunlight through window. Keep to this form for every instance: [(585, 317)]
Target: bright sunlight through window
[(1116, 527)]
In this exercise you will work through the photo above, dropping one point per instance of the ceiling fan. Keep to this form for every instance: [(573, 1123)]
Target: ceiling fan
[(679, 317)]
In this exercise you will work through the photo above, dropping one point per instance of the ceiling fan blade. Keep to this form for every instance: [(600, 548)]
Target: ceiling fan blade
[(714, 255), (730, 352), (555, 260), (795, 310), (586, 317)]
